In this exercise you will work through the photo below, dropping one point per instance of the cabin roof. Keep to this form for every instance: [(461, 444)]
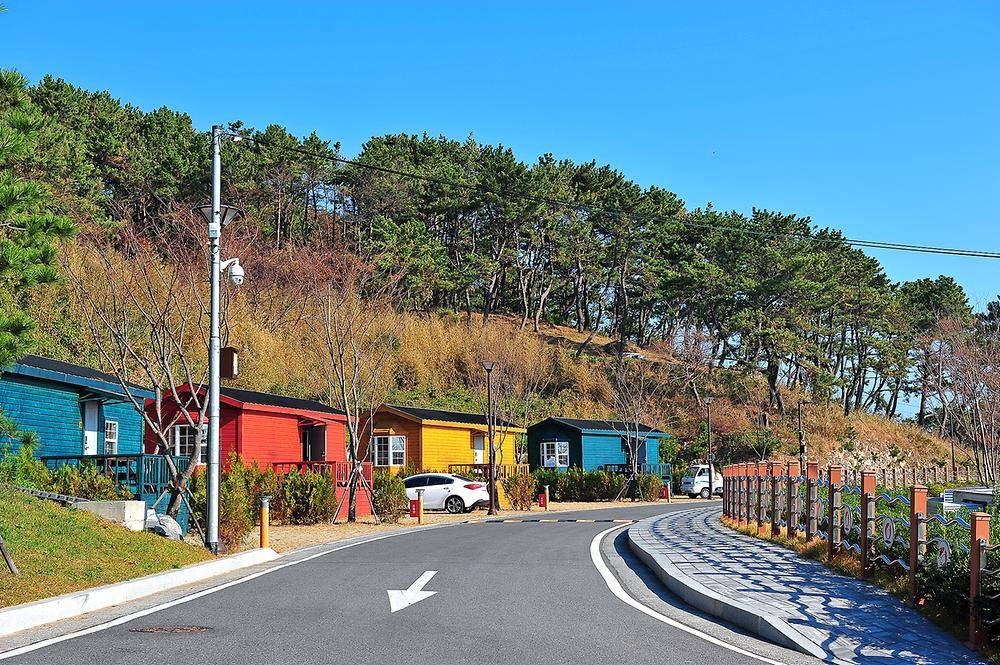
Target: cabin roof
[(281, 401), (596, 425), (49, 369), (421, 414)]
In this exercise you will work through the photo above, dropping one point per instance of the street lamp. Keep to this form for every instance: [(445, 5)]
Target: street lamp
[(489, 366), (217, 216), (711, 469), (802, 438)]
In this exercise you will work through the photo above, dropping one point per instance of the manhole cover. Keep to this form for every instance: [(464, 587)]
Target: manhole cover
[(170, 629)]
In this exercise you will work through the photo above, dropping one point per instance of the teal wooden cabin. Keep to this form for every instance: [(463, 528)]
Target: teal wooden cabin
[(593, 445), (74, 410), (84, 416)]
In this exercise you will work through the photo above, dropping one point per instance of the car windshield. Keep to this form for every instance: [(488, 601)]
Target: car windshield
[(468, 480), (692, 471)]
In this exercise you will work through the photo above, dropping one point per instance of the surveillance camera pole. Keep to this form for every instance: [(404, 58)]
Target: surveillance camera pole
[(214, 231)]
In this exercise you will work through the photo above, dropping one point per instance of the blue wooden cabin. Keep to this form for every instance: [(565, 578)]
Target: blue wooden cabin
[(82, 415), (593, 445), (74, 410)]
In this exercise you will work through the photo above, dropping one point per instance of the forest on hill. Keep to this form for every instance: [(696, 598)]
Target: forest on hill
[(577, 265)]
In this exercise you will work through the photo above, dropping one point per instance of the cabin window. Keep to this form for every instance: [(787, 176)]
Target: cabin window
[(184, 441), (110, 437), (390, 451), (555, 453)]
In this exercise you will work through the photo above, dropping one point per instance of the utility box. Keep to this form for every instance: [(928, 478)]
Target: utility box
[(228, 362)]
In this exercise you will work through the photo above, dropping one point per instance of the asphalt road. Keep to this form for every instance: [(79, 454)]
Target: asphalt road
[(505, 593)]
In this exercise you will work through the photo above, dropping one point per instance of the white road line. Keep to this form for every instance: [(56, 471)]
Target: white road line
[(28, 648), (616, 588)]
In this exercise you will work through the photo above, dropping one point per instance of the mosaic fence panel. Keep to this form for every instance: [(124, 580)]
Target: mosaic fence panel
[(947, 558)]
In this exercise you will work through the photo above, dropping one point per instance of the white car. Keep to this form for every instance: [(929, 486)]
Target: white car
[(695, 482), (446, 491)]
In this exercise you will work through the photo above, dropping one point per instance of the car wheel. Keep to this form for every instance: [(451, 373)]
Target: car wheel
[(454, 505), (705, 494)]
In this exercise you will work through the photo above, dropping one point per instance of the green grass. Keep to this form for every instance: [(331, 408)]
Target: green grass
[(59, 550)]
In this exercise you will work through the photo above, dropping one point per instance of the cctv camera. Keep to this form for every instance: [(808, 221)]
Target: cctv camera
[(236, 273)]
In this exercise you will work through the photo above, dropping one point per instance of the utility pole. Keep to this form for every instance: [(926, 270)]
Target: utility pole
[(217, 216), (214, 345), (711, 457), (488, 365)]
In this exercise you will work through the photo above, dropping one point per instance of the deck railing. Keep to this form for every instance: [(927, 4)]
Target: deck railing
[(482, 470), (340, 472), (139, 472)]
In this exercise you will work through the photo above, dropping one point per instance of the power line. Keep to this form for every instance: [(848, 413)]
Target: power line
[(856, 242)]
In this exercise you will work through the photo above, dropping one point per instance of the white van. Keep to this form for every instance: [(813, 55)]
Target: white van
[(695, 481)]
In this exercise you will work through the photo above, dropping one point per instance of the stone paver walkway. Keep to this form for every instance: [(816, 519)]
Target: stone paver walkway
[(850, 620)]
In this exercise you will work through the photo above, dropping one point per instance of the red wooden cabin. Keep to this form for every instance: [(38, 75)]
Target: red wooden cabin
[(272, 430)]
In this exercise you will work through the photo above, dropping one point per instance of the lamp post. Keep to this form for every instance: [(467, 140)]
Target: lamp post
[(217, 216), (802, 437), (711, 460), (489, 365)]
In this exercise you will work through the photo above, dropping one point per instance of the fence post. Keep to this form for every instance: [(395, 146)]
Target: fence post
[(733, 491), (792, 500), (980, 533), (867, 518), (775, 501), (725, 491), (835, 476), (812, 496), (727, 478), (918, 535), (761, 497), (748, 470)]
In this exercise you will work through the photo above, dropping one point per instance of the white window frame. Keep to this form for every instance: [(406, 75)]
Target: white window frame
[(559, 454), (179, 429), (384, 453), (111, 437)]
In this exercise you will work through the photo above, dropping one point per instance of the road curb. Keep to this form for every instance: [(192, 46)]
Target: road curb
[(50, 610), (769, 627)]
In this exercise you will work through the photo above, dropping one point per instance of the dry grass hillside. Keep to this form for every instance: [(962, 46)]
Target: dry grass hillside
[(435, 361)]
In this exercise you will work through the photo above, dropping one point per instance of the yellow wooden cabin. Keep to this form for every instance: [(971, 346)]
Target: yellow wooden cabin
[(436, 440)]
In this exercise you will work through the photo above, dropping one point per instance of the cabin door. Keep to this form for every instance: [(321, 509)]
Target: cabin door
[(90, 418), (478, 449), (313, 444)]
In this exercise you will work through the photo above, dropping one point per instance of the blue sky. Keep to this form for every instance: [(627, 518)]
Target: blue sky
[(879, 118)]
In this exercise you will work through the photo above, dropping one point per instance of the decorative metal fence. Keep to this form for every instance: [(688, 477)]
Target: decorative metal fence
[(882, 527)]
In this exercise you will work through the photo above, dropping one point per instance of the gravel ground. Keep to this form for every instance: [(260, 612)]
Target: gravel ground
[(289, 537)]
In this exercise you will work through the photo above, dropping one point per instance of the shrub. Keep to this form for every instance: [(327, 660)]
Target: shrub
[(86, 482), (616, 486), (268, 484), (411, 469), (520, 489), (649, 487), (23, 468), (389, 496), (235, 510), (307, 498), (548, 477)]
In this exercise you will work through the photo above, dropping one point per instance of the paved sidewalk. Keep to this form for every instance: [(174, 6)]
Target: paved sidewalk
[(796, 602)]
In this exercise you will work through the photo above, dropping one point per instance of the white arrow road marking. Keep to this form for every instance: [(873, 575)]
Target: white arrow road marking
[(400, 600)]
